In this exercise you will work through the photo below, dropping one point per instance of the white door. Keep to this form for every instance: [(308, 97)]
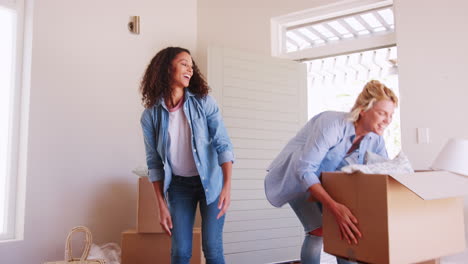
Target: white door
[(264, 104)]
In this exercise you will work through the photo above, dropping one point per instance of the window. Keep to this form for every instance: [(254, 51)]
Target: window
[(335, 29), (11, 47), (374, 22)]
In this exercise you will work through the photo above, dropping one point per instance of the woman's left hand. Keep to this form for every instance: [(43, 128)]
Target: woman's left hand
[(225, 195), (224, 200)]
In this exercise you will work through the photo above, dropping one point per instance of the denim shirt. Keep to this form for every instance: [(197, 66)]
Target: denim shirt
[(319, 146), (210, 142)]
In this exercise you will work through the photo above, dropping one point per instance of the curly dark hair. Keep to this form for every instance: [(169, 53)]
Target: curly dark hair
[(156, 81)]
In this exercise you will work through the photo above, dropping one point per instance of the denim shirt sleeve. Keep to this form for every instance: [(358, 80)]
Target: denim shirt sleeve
[(381, 149), (321, 138), (217, 131), (153, 160)]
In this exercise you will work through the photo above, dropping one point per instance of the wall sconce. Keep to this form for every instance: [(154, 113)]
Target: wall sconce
[(453, 157), (134, 25)]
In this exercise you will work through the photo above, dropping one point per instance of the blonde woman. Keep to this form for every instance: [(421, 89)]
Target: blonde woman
[(328, 142)]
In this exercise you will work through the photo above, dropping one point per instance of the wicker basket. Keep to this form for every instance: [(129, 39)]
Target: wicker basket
[(68, 249)]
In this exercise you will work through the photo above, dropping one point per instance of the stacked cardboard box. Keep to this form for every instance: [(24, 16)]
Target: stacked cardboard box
[(148, 244), (147, 208), (404, 218)]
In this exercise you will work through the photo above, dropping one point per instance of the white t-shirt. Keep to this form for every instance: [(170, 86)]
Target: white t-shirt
[(180, 147)]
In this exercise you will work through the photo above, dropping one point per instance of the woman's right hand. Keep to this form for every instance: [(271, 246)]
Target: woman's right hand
[(346, 222), (165, 219)]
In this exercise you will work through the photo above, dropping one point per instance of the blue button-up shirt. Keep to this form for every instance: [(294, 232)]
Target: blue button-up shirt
[(210, 142), (319, 146)]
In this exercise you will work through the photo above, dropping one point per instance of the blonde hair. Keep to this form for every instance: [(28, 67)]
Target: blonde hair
[(373, 91)]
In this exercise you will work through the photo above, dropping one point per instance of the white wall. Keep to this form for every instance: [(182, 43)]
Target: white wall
[(432, 61), (84, 132)]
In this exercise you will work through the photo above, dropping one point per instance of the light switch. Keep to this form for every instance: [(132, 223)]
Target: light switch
[(423, 135)]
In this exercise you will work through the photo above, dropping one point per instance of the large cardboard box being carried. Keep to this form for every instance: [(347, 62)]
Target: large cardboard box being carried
[(404, 218), (151, 248)]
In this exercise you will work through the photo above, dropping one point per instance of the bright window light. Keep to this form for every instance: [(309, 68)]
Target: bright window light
[(354, 23), (363, 32), (319, 41), (387, 15), (296, 38), (290, 47), (371, 20), (323, 31), (379, 29), (304, 45), (309, 34), (338, 27), (7, 26)]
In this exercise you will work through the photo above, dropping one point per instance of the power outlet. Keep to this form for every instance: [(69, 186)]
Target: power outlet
[(423, 135)]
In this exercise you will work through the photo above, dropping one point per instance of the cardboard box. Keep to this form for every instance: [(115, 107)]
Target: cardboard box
[(404, 218), (148, 211), (147, 208), (154, 248)]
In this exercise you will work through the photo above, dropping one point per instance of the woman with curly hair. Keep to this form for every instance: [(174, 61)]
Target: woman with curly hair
[(188, 153)]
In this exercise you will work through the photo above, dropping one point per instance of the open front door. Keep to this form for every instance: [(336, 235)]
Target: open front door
[(264, 103)]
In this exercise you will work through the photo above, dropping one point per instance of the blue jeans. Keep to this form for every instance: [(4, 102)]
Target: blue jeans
[(184, 194), (308, 212)]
